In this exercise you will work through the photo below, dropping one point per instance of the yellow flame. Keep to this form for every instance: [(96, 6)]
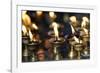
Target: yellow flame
[(73, 19), (55, 27), (52, 14), (73, 30), (24, 30), (34, 26), (84, 21), (83, 24), (85, 30), (26, 19), (39, 13), (30, 35)]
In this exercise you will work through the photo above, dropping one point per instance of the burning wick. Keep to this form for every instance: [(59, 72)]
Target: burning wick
[(55, 28)]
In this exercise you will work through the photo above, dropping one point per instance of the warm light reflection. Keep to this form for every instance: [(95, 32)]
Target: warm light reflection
[(34, 26), (85, 30), (55, 27), (25, 18), (52, 14), (39, 13), (73, 19), (30, 35), (85, 20), (24, 30)]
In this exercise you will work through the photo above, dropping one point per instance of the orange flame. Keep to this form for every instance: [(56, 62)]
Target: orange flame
[(24, 30)]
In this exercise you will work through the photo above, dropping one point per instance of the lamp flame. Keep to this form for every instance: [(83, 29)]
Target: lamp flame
[(34, 26), (73, 30), (84, 21), (30, 35), (52, 14), (39, 13), (55, 27), (73, 19), (25, 18), (24, 30)]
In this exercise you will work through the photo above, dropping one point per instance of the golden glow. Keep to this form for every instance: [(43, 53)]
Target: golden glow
[(73, 30), (84, 21), (24, 30), (25, 18), (34, 26), (39, 13), (52, 14), (73, 19), (55, 27), (30, 35)]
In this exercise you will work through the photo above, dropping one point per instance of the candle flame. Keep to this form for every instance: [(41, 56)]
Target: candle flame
[(73, 19), (34, 26), (24, 29), (39, 13), (52, 14), (26, 19), (73, 30), (30, 35), (55, 27), (84, 21)]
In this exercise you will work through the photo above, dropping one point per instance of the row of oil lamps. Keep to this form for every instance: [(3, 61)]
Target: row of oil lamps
[(78, 46)]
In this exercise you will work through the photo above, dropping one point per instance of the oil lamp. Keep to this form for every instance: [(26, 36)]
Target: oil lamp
[(78, 48), (33, 44), (25, 41), (85, 38), (57, 42), (72, 52), (86, 50)]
